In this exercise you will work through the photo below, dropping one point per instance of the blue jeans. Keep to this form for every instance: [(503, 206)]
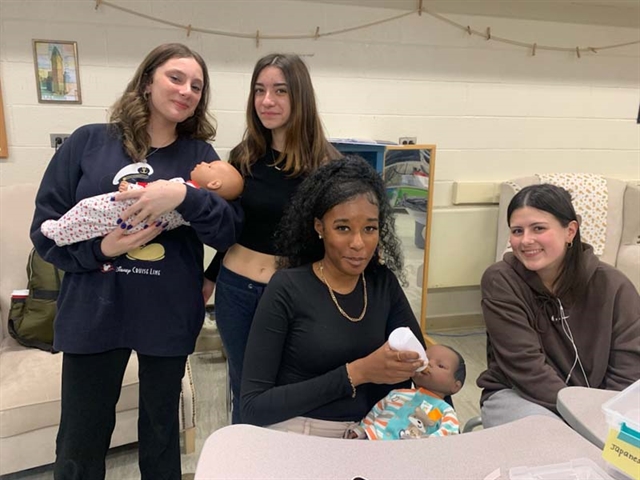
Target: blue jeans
[(236, 301)]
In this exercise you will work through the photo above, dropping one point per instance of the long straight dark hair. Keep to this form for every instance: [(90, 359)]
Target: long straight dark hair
[(306, 146), (555, 200)]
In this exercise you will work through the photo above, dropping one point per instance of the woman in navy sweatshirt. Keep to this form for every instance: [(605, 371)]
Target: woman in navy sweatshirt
[(139, 292)]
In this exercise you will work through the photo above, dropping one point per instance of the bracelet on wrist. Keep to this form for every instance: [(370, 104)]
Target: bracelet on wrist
[(353, 387)]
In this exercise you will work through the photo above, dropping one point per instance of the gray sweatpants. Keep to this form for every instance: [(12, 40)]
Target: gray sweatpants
[(506, 406)]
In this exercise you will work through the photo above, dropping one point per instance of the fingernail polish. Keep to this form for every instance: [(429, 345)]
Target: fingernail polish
[(129, 227), (119, 221), (145, 226), (123, 225), (165, 225), (113, 199), (158, 224)]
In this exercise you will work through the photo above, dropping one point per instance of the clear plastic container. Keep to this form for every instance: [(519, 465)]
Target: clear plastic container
[(578, 469), (623, 408)]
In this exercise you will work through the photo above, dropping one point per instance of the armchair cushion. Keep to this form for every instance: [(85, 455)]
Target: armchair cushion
[(30, 381)]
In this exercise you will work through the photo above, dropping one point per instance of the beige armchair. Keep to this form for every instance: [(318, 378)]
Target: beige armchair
[(622, 236), (621, 247), (30, 378)]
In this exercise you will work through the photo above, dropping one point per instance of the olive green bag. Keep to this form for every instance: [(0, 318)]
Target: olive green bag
[(32, 315)]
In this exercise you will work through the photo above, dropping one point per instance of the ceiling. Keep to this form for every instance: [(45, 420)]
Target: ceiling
[(619, 13)]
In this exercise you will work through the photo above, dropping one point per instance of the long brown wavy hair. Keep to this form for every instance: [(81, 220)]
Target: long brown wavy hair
[(306, 146), (130, 113)]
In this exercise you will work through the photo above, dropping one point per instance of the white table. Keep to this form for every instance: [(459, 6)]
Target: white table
[(247, 452), (581, 407)]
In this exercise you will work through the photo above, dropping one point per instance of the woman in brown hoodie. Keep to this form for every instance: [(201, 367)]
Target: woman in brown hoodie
[(556, 315)]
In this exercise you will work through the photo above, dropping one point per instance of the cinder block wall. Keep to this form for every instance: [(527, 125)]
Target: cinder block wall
[(494, 111)]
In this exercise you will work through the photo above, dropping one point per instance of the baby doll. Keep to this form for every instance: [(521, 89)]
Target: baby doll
[(97, 216), (418, 412)]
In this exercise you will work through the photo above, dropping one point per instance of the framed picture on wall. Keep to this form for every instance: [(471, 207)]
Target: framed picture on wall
[(4, 147), (57, 71)]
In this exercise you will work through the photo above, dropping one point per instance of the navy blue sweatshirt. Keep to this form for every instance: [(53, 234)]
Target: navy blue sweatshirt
[(149, 301)]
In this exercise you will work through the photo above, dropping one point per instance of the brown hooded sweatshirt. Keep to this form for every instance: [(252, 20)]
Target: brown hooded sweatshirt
[(526, 347)]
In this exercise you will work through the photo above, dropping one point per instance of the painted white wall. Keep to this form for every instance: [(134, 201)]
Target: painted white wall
[(494, 111)]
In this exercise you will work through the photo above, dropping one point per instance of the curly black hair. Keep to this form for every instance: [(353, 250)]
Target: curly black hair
[(336, 182)]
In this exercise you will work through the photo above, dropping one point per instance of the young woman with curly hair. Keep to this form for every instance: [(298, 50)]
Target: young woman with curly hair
[(140, 291), (282, 144), (317, 359)]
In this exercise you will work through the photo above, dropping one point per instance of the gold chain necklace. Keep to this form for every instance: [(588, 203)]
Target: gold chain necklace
[(335, 300)]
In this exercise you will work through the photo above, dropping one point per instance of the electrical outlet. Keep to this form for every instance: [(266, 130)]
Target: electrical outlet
[(407, 140), (57, 139)]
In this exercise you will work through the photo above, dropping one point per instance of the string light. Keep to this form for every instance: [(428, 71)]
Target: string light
[(533, 47)]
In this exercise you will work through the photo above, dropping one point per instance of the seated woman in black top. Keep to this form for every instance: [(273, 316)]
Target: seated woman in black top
[(317, 359)]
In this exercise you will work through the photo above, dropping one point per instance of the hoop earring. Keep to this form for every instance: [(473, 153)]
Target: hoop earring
[(570, 244), (145, 95)]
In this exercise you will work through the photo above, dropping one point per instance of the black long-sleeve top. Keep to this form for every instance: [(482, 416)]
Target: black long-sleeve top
[(299, 344)]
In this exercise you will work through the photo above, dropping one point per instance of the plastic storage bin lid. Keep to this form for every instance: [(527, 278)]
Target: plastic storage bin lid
[(578, 469), (624, 408)]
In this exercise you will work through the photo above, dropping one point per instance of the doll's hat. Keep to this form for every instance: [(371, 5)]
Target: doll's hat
[(134, 171)]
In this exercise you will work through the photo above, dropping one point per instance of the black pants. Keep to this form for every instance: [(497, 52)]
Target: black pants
[(91, 387)]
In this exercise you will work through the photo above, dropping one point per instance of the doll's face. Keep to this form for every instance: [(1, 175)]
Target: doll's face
[(220, 177), (439, 375), (204, 172)]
